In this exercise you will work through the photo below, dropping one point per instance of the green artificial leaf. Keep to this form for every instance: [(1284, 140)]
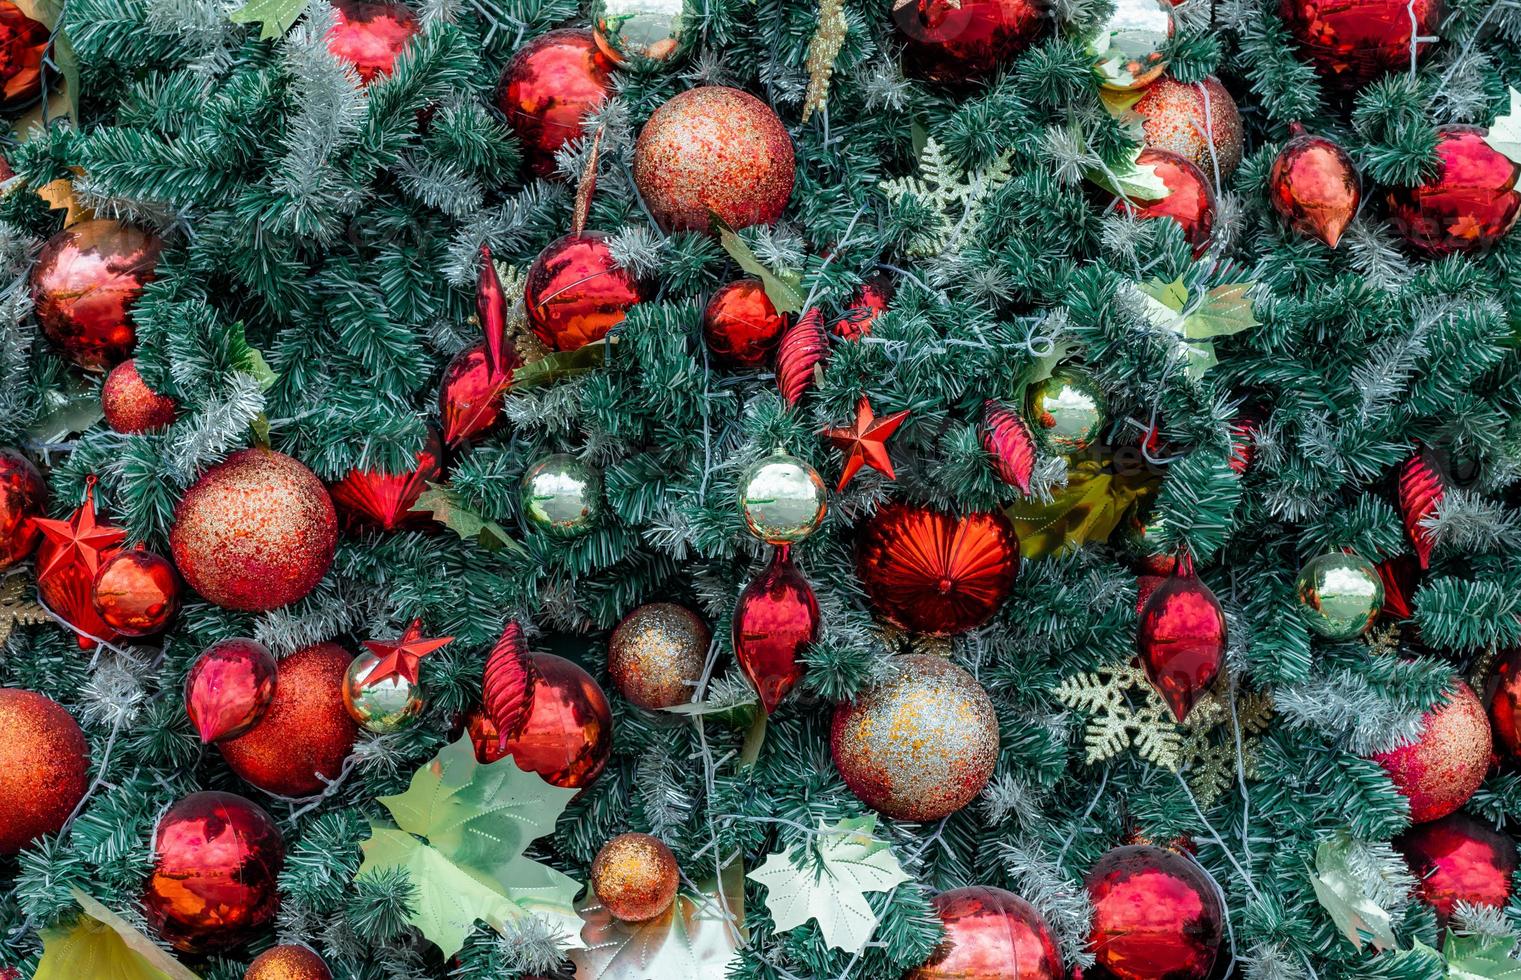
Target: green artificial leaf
[(1339, 892), (1172, 295), (1223, 311), (698, 938), (276, 16), (74, 410), (247, 358), (1131, 180), (828, 883), (1505, 134), (561, 365), (1087, 510), (783, 289), (101, 945), (1480, 958), (444, 504)]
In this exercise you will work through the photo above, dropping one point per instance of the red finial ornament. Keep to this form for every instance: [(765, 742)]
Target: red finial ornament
[(1313, 186), (1181, 638), (507, 691), (775, 621), (804, 347), (1421, 489), (1007, 440)]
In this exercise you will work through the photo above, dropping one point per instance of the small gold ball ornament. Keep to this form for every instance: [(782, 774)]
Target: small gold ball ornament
[(1068, 410), (635, 877), (562, 496), (1128, 46), (640, 30), (656, 654), (783, 499), (1341, 593), (382, 706)]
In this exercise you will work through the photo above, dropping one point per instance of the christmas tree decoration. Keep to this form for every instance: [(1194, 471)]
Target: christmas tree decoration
[(1351, 887), (635, 877), (775, 621), (376, 499), (1446, 762), (640, 31), (928, 572), (1313, 186), (130, 406), (782, 498), (919, 746), (23, 499), (68, 560), (401, 657), (657, 653), (568, 734), (216, 862), (1502, 693), (1010, 447), (1195, 320), (100, 944), (370, 36), (561, 496), (1400, 576), (699, 938), (1190, 197), (1127, 47), (800, 356), (16, 607), (1199, 122), (380, 704), (1340, 593), (1467, 205), (255, 532), (741, 325), (1458, 859), (288, 962), (1181, 638), (1421, 489), (26, 45), (470, 396), (954, 197), (547, 89), (304, 737), (229, 688), (508, 683), (714, 154), (869, 302), (576, 291), (990, 932), (961, 41), (1156, 915), (1067, 410), (136, 592), (865, 442), (823, 48), (44, 767), (84, 284), (1351, 44), (827, 879)]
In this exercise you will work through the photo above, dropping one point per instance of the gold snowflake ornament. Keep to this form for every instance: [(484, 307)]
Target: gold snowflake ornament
[(16, 609), (955, 196)]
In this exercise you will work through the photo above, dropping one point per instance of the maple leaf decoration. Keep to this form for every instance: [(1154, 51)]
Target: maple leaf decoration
[(511, 675), (400, 657), (865, 442), (80, 539)]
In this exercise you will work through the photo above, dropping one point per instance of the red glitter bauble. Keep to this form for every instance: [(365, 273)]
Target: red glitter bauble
[(469, 398), (375, 499), (1198, 121), (714, 153), (44, 767), (1458, 859), (741, 326), (217, 860), (576, 292), (1443, 767), (1502, 692), (1352, 42), (635, 877), (23, 43), (568, 735), (370, 36), (964, 40), (990, 934), (546, 89), (929, 572), (229, 687), (869, 303), (1191, 201), (1156, 915), (1470, 204), (306, 733), (775, 621), (288, 963), (137, 592), (1313, 187), (255, 532), (1181, 638), (23, 497), (129, 405), (83, 287)]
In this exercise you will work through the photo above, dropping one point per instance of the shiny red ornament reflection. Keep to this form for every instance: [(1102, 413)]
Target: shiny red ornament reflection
[(804, 347), (1353, 42), (84, 284), (1458, 859), (546, 89), (1421, 489), (1502, 693), (1469, 205), (576, 292), (990, 934), (382, 500), (1190, 201), (1313, 187), (469, 397), (964, 40), (137, 592), (68, 560), (568, 734), (869, 303), (23, 499), (1181, 638), (370, 36), (775, 621), (229, 687), (1010, 447), (130, 406), (741, 326), (23, 44), (1156, 915)]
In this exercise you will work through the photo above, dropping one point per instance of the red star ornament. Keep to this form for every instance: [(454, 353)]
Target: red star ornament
[(865, 442), (79, 540), (399, 657)]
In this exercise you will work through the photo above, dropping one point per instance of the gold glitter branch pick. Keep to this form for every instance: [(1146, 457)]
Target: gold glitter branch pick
[(16, 609), (827, 41)]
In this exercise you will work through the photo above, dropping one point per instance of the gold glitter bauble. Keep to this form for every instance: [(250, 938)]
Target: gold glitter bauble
[(44, 767), (656, 654), (1341, 594), (783, 499), (640, 30), (562, 496), (634, 877), (1067, 410), (1199, 121), (384, 706), (288, 963), (1129, 44), (920, 746)]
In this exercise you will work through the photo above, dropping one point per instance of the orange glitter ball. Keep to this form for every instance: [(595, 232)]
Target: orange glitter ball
[(288, 963), (656, 654), (1175, 119), (44, 767), (635, 877)]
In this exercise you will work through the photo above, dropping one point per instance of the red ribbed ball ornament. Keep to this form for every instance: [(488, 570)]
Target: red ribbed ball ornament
[(288, 963), (960, 41), (990, 934), (1458, 859), (84, 284), (741, 326), (137, 592), (1156, 915), (1190, 201), (1470, 204), (44, 767), (1445, 764), (371, 36), (1353, 42), (23, 499), (23, 44), (568, 734), (548, 86), (129, 405), (376, 499), (575, 291)]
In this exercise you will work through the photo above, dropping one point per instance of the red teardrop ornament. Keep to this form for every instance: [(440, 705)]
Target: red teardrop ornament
[(229, 688), (378, 499), (1313, 187), (1181, 638), (1006, 438), (1421, 491), (776, 619), (469, 398)]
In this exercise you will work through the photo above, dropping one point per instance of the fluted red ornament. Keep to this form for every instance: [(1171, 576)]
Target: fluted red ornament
[(382, 500), (1156, 915), (548, 87), (1353, 42), (216, 863), (371, 36), (964, 40), (1468, 205), (24, 44), (507, 689), (84, 284), (1010, 447), (804, 348), (129, 405), (1197, 120), (1421, 488), (68, 560), (576, 291), (568, 734), (1313, 186), (229, 687), (741, 325), (44, 767), (1446, 763), (491, 309), (1400, 576), (775, 621), (137, 592), (1458, 859), (990, 934), (23, 499), (1190, 200), (1181, 638), (868, 303), (929, 572), (1502, 692), (1243, 444)]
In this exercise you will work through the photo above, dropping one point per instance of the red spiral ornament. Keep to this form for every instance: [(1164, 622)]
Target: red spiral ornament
[(1421, 491), (507, 693), (804, 347), (1006, 438)]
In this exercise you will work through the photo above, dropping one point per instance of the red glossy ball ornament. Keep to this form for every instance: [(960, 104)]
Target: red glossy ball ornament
[(83, 287), (1458, 859), (1502, 692), (255, 532), (379, 500), (129, 405), (714, 152), (1313, 187), (741, 326), (568, 735), (470, 398), (990, 934), (961, 41), (23, 499), (1353, 42), (370, 36), (137, 592), (23, 45), (1445, 764), (576, 291), (1190, 200), (868, 303), (1198, 121), (288, 963), (775, 621), (303, 738), (546, 89), (1469, 205), (1181, 638), (44, 767), (216, 863), (929, 572), (229, 687), (1156, 915)]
